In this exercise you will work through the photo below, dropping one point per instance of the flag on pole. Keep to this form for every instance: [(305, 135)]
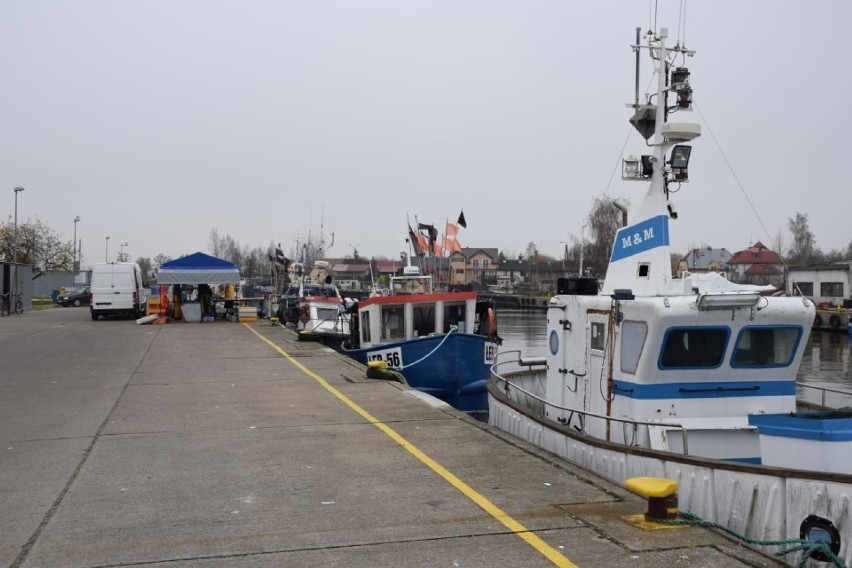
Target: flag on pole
[(451, 242), (418, 241), (422, 243), (462, 222)]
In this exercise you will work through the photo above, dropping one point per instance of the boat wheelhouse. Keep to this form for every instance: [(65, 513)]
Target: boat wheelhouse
[(440, 343)]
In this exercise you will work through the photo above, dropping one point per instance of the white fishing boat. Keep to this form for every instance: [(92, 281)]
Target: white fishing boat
[(692, 379), (317, 310)]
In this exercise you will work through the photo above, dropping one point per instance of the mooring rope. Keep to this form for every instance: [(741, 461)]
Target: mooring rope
[(453, 329), (807, 547)]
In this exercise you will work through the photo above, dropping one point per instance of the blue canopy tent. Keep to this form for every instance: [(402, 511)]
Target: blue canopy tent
[(198, 268)]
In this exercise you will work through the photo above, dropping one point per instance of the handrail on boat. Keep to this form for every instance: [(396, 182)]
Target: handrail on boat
[(531, 362), (823, 391), (528, 362)]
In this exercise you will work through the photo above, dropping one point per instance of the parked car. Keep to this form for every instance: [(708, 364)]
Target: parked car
[(74, 297)]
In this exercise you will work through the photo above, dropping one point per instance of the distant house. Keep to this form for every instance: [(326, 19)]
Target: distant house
[(704, 260), (387, 268), (359, 274), (830, 283), (757, 265), (534, 277), (474, 266), (351, 274), (511, 273)]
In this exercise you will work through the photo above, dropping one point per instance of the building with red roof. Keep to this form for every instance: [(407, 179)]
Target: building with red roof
[(757, 265)]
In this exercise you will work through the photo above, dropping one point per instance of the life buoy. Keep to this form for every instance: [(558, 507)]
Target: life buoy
[(834, 321), (492, 325), (304, 314), (817, 320)]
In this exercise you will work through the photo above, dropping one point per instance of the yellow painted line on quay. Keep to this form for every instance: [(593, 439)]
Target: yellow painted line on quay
[(520, 530)]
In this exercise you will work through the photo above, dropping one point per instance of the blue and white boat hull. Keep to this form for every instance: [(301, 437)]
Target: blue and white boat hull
[(452, 367)]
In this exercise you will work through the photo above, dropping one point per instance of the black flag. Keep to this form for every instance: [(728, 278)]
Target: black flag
[(461, 222)]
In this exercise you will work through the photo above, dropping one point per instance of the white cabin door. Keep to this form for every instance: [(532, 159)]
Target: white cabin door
[(597, 388)]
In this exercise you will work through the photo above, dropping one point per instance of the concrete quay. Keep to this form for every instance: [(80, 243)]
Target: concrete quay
[(235, 445)]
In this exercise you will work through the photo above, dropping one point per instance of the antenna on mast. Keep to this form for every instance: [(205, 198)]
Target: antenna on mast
[(638, 39)]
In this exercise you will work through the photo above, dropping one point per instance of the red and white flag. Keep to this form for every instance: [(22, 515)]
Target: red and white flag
[(451, 242)]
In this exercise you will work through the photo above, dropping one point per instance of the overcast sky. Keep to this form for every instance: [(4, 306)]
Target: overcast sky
[(156, 121)]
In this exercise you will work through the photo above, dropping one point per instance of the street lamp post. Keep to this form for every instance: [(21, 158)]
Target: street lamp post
[(106, 254), (15, 245), (74, 267)]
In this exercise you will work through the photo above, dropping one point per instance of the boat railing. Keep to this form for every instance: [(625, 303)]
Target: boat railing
[(533, 363), (409, 284), (520, 360), (824, 391)]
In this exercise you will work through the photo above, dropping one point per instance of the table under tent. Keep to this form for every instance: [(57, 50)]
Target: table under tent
[(200, 288)]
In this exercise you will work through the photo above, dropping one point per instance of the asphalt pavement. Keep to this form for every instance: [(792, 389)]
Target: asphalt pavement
[(236, 445)]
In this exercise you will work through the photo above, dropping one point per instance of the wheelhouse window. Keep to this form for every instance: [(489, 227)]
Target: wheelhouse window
[(693, 347), (597, 336), (393, 322), (766, 346), (424, 319), (633, 334), (453, 315), (327, 314), (365, 327)]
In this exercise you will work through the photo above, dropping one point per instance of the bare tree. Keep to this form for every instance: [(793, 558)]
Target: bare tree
[(834, 255), (215, 242), (255, 262), (573, 253), (779, 242), (604, 220), (803, 250), (145, 264)]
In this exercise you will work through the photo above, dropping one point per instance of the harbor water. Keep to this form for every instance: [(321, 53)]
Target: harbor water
[(825, 364)]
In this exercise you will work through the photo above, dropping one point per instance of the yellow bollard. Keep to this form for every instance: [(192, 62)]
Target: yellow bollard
[(661, 493)]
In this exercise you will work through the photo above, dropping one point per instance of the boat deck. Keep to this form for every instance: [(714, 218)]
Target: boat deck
[(237, 445)]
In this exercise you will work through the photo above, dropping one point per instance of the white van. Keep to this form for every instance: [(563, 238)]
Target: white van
[(118, 288)]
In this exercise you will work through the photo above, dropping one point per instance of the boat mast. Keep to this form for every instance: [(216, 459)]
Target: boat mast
[(641, 256)]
